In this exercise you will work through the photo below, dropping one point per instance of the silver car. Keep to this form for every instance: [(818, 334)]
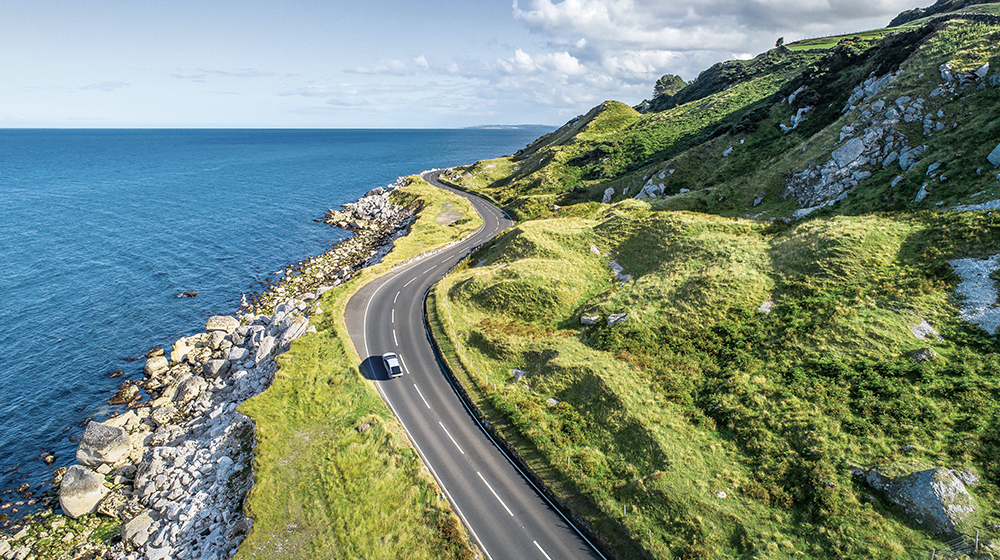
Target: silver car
[(392, 366)]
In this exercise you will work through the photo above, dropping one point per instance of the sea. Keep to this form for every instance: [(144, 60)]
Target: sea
[(100, 230)]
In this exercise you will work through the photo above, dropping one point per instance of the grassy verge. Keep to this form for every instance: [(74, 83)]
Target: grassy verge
[(701, 427), (335, 476)]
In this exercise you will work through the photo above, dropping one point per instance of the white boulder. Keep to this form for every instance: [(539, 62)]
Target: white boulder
[(221, 323), (103, 444), (80, 491)]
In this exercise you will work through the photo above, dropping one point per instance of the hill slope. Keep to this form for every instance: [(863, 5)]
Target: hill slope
[(788, 239)]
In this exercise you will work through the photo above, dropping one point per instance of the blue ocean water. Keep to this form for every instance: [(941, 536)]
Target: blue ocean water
[(100, 229)]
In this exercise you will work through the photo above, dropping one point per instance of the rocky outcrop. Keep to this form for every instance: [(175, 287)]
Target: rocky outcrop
[(616, 318), (373, 206), (933, 497), (877, 138), (377, 223), (155, 365), (80, 491)]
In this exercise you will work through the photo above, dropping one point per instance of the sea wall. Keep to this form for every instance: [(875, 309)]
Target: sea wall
[(175, 466)]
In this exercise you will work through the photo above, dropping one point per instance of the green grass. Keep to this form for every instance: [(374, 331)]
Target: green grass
[(833, 40), (443, 218), (698, 393), (335, 476)]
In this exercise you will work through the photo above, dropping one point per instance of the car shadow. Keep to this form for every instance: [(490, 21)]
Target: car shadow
[(373, 369)]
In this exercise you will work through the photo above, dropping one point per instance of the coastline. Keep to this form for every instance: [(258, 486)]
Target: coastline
[(172, 470)]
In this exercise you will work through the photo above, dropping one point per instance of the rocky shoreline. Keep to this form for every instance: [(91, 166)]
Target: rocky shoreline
[(173, 469)]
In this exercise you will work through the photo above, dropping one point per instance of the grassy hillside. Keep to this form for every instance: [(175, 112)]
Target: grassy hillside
[(774, 281)]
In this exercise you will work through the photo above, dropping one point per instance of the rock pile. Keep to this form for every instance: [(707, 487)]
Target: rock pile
[(175, 469), (375, 206), (377, 222), (653, 188)]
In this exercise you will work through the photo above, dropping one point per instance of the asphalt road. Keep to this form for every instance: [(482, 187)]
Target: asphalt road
[(506, 515)]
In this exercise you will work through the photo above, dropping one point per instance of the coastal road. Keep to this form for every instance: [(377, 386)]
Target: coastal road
[(505, 513)]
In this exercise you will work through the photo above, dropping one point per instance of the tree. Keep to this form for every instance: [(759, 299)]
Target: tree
[(668, 85), (781, 41)]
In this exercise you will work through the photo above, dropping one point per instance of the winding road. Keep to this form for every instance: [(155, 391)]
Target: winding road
[(504, 512)]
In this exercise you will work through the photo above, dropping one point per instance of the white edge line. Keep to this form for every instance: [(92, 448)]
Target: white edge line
[(430, 467), (542, 550), (421, 396), (495, 495), (449, 435), (423, 457)]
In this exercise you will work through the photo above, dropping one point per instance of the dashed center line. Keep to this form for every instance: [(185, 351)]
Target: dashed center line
[(393, 314), (453, 439), (406, 369), (394, 337), (542, 550), (397, 296), (421, 396), (410, 282), (430, 269), (495, 495)]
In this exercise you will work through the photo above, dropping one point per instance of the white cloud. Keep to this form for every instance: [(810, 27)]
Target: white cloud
[(386, 67), (583, 52), (105, 86), (632, 39), (242, 73)]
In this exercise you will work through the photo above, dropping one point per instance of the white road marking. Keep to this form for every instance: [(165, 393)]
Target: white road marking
[(494, 492), (393, 314), (540, 549), (421, 396), (394, 337), (406, 369), (410, 282), (446, 431), (429, 269), (397, 297)]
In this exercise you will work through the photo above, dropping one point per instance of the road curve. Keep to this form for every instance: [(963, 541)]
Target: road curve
[(506, 515)]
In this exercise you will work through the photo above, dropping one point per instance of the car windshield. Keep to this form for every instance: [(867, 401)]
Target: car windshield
[(392, 364)]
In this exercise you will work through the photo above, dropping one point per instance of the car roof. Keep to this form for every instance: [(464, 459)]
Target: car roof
[(388, 355)]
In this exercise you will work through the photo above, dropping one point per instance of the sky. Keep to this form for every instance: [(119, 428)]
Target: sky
[(375, 63)]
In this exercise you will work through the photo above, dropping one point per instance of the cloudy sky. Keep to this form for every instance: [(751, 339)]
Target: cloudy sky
[(376, 63)]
